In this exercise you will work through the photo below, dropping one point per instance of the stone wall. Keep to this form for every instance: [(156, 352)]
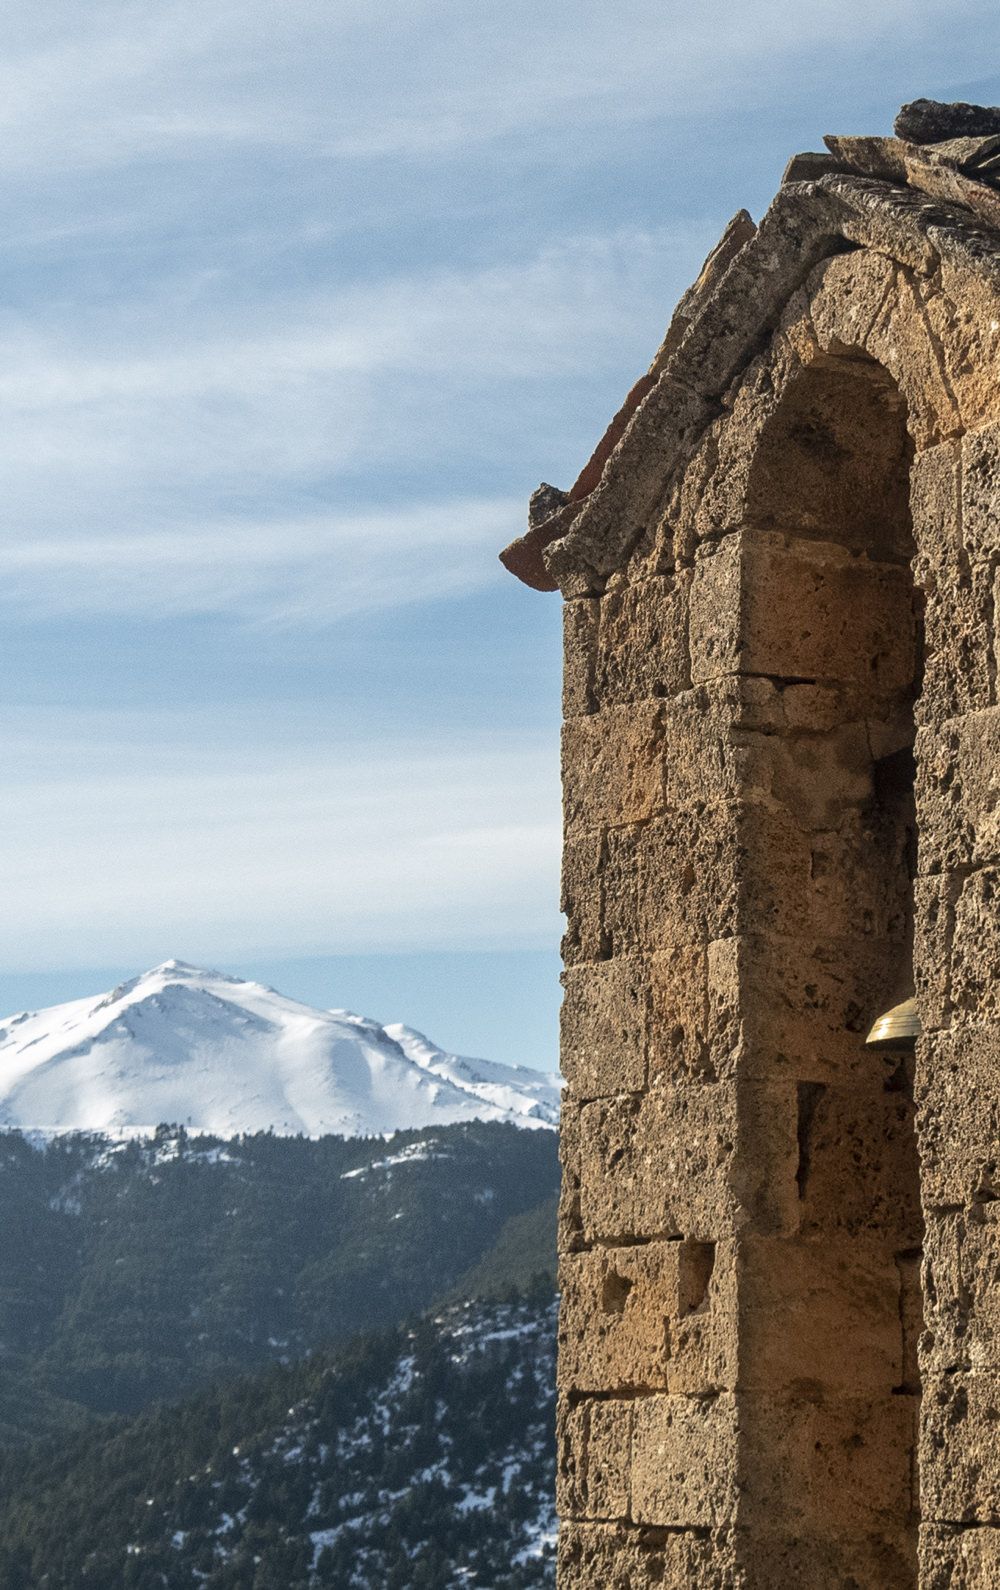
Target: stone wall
[(764, 1380)]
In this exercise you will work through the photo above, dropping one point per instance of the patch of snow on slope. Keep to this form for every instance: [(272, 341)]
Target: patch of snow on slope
[(219, 1055), (516, 1089)]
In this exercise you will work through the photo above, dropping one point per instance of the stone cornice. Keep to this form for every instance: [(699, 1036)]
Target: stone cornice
[(917, 202)]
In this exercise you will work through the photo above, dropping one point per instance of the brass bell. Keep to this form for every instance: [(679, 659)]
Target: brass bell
[(897, 1028)]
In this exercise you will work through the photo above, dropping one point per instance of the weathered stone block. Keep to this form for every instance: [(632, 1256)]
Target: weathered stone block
[(631, 1188), (968, 326), (594, 1451), (817, 708), (980, 519), (613, 767), (831, 414), (767, 1156), (959, 1451), (581, 897), (909, 1266), (732, 738), (857, 881), (570, 1221), (974, 992), (819, 780), (952, 1558), (960, 642), (935, 507), (798, 1009), (885, 1561), (909, 344), (666, 1165), (957, 948), (863, 302), (684, 1461), (822, 1468), (643, 641), (723, 740), (933, 912), (806, 610), (680, 1043), (857, 1168), (709, 498), (605, 1026), (962, 1292), (580, 621), (656, 1316), (958, 792), (616, 1557), (674, 880), (958, 1115), (684, 878), (819, 1317)]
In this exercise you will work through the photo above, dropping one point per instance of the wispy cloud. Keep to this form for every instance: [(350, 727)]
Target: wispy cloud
[(214, 837), (113, 82), (303, 571), (233, 468), (300, 301)]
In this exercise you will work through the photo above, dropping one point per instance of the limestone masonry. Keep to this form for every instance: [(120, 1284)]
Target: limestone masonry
[(780, 1246)]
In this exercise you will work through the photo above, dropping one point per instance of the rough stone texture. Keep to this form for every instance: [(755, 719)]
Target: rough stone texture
[(959, 1451), (799, 1454), (928, 121), (605, 1027), (960, 667), (760, 606), (642, 650), (863, 1562), (980, 523), (656, 1316), (818, 1315), (580, 620), (780, 1248), (959, 792), (958, 1100), (592, 1555), (953, 1558), (629, 1189), (872, 1133), (594, 1468), (684, 1461), (796, 1009), (962, 1301)]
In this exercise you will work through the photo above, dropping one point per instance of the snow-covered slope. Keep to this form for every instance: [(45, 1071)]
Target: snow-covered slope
[(220, 1055)]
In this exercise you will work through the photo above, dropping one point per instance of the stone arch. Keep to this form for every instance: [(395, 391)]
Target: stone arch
[(833, 460), (811, 476), (829, 1426)]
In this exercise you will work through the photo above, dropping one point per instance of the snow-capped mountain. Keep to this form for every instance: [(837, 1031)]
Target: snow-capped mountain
[(220, 1055)]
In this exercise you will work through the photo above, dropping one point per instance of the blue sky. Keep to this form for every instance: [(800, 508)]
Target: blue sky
[(300, 301)]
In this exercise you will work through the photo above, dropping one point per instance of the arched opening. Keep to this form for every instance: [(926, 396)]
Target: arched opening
[(834, 1424)]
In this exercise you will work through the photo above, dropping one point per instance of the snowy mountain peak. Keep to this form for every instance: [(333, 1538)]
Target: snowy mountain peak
[(162, 976), (218, 1054)]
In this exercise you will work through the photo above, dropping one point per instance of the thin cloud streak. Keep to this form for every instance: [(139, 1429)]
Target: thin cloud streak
[(112, 84), (353, 846), (301, 572), (183, 460), (301, 301)]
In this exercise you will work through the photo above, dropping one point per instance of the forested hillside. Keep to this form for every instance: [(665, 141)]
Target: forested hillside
[(417, 1459), (136, 1271)]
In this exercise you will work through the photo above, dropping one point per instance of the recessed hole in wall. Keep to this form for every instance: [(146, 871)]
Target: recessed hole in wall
[(695, 1263), (615, 1292)]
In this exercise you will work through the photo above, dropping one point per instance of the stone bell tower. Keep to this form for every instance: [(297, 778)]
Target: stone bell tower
[(780, 1243)]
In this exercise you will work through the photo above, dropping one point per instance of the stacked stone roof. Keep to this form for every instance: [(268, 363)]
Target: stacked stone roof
[(930, 193)]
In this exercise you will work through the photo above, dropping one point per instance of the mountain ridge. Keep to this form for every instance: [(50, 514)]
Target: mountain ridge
[(220, 1054)]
